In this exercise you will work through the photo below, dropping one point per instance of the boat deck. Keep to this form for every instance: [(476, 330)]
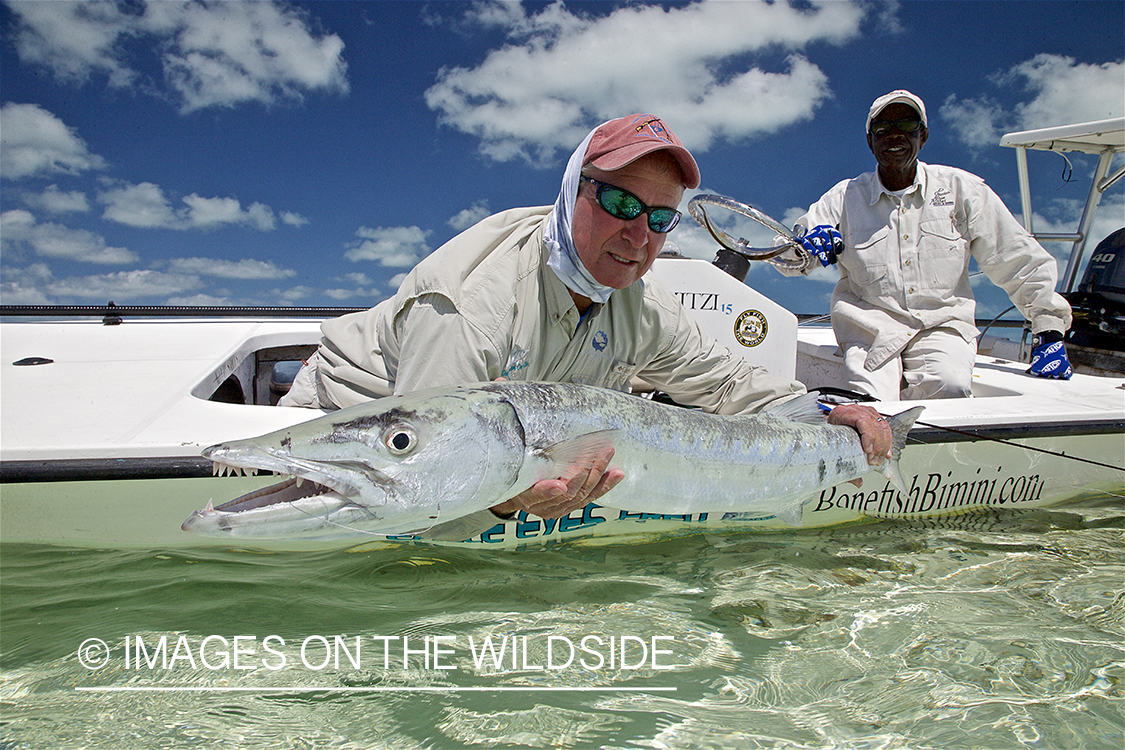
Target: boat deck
[(136, 389)]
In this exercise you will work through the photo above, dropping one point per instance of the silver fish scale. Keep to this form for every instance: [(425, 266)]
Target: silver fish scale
[(683, 460)]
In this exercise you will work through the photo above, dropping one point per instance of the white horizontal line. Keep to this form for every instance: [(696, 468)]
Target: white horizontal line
[(386, 689)]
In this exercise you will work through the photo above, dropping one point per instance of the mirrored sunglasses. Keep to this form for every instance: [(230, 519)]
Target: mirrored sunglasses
[(622, 204), (882, 127)]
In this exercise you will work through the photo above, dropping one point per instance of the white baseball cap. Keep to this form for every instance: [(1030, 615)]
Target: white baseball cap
[(900, 96)]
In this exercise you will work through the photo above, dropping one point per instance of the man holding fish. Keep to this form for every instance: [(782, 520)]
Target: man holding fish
[(556, 293)]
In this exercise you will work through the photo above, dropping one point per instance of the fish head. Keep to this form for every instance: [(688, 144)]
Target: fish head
[(391, 466)]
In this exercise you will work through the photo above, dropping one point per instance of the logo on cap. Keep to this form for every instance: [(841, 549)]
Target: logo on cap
[(656, 126)]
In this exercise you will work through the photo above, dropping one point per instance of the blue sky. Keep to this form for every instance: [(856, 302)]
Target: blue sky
[(311, 153)]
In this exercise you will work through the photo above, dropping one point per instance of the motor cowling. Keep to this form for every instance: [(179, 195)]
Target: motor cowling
[(1099, 300)]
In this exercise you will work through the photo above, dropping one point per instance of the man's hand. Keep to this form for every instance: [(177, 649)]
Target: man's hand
[(554, 498), (874, 432), (825, 242), (1048, 356)]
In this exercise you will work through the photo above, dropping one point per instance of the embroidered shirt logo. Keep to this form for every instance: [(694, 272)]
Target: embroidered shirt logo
[(601, 341), (941, 198)]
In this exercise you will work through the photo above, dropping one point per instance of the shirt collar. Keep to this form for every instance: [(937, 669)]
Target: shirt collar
[(878, 190)]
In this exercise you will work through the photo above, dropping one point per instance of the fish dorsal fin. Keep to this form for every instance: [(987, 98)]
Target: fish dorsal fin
[(803, 409), (579, 451)]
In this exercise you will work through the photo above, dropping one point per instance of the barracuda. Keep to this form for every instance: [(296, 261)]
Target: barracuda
[(406, 463)]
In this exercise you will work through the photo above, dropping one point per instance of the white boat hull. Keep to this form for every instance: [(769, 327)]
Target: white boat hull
[(1017, 445), (942, 479)]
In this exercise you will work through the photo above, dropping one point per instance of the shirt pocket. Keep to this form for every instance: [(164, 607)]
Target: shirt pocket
[(943, 251), (864, 260)]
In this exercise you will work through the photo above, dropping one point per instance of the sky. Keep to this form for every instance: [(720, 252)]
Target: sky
[(266, 153)]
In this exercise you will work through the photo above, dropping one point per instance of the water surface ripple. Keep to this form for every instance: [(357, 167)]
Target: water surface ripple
[(994, 630)]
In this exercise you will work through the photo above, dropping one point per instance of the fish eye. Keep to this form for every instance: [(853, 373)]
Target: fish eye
[(400, 439)]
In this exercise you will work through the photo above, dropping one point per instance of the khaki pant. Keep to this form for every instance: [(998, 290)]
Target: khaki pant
[(937, 363)]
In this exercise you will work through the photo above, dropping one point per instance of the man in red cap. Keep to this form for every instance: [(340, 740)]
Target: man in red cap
[(556, 293)]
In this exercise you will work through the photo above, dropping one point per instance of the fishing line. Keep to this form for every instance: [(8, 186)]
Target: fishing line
[(1056, 454), (856, 396)]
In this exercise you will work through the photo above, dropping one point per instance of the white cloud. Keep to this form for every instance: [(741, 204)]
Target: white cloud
[(1062, 91), (73, 39), (124, 285), (25, 286), (293, 294), (33, 141), (213, 55), (19, 228), (199, 300), (293, 219), (145, 206), (241, 269), (207, 213), (344, 294), (564, 72), (467, 217), (397, 247), (142, 205), (54, 201), (36, 285)]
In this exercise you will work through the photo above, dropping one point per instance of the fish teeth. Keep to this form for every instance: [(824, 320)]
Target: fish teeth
[(220, 469), (299, 481)]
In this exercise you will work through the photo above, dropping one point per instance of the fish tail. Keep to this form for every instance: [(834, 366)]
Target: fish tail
[(900, 425)]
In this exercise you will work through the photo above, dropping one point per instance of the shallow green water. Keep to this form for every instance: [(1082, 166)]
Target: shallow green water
[(998, 630)]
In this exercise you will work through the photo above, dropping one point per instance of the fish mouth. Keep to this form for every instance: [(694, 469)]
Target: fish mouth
[(313, 488), (289, 490)]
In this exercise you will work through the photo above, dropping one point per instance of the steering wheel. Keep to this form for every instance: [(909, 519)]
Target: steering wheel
[(741, 246)]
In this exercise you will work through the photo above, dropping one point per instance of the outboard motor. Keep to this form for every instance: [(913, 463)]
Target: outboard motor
[(1099, 301)]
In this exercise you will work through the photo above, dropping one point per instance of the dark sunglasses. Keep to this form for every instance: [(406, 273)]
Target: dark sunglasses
[(882, 127), (624, 205)]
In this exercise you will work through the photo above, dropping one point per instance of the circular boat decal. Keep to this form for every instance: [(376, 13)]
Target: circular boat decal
[(750, 328)]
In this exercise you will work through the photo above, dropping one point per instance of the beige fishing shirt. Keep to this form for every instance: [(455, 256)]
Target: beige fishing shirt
[(485, 305), (906, 258)]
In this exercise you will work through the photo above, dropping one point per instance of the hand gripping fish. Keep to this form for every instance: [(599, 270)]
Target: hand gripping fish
[(405, 463)]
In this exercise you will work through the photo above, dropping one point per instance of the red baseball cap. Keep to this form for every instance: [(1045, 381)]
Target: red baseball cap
[(624, 140)]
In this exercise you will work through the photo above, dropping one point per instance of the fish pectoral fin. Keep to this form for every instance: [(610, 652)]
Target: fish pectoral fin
[(580, 452), (804, 409)]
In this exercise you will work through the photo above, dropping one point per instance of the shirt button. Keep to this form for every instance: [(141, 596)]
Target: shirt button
[(906, 236), (911, 290), (907, 263)]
